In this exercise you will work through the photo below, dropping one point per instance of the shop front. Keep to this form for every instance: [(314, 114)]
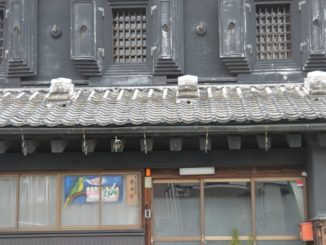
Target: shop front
[(128, 166)]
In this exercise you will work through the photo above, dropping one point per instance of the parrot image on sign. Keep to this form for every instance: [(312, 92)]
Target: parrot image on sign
[(75, 191)]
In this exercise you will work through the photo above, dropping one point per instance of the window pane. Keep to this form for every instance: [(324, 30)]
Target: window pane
[(121, 200), (8, 189), (37, 201), (176, 209), (80, 201), (227, 207), (279, 206)]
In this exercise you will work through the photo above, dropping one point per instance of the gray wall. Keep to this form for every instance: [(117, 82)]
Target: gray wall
[(201, 53), (54, 54), (317, 180)]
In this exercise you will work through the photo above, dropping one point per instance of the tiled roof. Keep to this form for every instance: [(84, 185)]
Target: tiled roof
[(159, 105)]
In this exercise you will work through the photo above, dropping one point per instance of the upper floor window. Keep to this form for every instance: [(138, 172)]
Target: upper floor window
[(260, 35), (129, 35), (273, 31), (127, 29), (139, 37)]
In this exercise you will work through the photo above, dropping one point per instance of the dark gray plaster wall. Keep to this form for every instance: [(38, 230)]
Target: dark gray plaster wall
[(54, 53), (317, 181), (202, 52)]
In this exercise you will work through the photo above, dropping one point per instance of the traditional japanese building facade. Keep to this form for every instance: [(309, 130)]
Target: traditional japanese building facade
[(163, 122)]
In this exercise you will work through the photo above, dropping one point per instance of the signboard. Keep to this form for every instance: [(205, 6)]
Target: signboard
[(80, 190)]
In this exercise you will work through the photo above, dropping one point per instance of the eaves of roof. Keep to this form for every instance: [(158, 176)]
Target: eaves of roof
[(221, 108)]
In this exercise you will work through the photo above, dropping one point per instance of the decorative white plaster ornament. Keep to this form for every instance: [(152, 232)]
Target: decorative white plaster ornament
[(315, 83), (187, 89)]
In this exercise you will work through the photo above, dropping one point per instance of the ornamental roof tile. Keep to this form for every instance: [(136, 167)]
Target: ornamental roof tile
[(159, 105)]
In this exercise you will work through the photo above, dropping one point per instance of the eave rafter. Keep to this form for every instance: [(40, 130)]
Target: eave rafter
[(155, 138)]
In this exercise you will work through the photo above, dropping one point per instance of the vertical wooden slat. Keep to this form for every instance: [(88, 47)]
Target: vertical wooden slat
[(202, 212), (253, 209), (148, 222), (100, 213), (59, 199), (17, 201)]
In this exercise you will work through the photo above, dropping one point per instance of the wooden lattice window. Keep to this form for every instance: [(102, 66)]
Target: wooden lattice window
[(273, 31), (129, 35)]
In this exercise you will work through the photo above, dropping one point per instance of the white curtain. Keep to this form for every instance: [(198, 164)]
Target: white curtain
[(8, 187), (37, 204)]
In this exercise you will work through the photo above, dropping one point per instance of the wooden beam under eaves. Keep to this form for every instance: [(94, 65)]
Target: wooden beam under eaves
[(157, 159), (294, 140), (205, 144), (264, 142), (321, 138), (234, 142), (4, 145), (146, 145), (91, 144), (58, 146), (175, 144), (31, 145)]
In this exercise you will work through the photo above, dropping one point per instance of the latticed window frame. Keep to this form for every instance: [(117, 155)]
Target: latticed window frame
[(273, 31), (129, 35), (144, 68), (294, 60)]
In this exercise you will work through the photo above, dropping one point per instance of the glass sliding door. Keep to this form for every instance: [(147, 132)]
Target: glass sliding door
[(279, 209), (227, 209), (176, 209), (211, 211)]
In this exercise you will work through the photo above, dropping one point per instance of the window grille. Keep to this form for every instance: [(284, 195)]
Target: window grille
[(273, 31), (1, 33), (129, 35)]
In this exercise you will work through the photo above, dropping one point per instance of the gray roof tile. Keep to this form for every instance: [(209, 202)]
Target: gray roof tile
[(159, 105)]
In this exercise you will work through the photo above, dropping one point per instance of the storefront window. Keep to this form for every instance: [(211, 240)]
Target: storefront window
[(227, 207), (262, 211), (8, 188), (279, 207), (80, 202), (120, 200), (177, 209), (107, 201), (37, 201)]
